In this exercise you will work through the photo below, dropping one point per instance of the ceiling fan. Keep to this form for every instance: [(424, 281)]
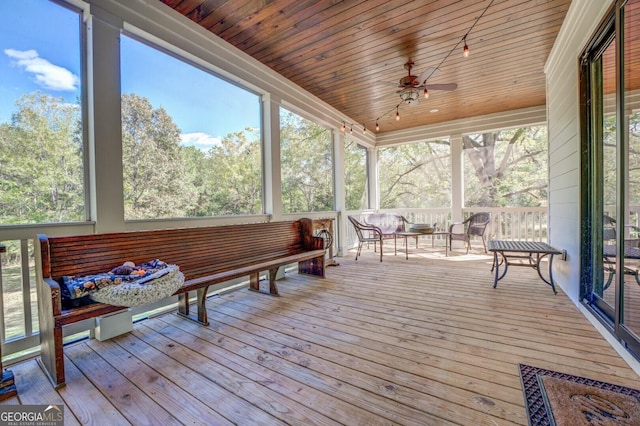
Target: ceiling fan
[(411, 86)]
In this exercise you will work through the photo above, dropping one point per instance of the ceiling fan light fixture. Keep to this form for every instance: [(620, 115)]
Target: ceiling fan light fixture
[(410, 95)]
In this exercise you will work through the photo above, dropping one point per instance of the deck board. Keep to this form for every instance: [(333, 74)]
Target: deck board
[(409, 342)]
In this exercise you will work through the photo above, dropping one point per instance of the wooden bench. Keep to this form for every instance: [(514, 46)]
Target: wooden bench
[(206, 256)]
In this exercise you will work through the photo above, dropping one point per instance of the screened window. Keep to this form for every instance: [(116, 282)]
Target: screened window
[(356, 179), (306, 164), (506, 168), (191, 140), (41, 128), (416, 175)]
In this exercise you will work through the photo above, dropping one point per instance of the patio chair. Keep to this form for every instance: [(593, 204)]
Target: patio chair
[(366, 234), (608, 228), (631, 250), (475, 225), (609, 232)]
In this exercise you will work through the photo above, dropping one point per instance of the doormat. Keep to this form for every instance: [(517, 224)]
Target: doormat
[(557, 399)]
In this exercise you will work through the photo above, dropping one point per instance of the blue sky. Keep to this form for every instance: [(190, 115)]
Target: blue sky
[(39, 50)]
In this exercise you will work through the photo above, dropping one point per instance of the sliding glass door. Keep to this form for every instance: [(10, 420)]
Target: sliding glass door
[(630, 175), (610, 88)]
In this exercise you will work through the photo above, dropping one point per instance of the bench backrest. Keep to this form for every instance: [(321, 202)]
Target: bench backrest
[(387, 222), (198, 251)]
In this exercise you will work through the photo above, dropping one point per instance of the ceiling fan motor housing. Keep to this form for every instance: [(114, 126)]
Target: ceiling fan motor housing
[(409, 81)]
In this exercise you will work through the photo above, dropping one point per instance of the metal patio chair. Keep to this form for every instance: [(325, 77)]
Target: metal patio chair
[(475, 225), (366, 234)]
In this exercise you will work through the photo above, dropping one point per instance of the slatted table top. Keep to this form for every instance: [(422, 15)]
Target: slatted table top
[(521, 246)]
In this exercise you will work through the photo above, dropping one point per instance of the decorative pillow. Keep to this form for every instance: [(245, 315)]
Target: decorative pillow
[(151, 288)]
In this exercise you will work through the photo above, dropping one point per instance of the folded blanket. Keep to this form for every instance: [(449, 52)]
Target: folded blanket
[(149, 289), (75, 287)]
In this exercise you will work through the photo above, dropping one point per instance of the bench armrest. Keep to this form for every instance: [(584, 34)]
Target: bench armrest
[(50, 289)]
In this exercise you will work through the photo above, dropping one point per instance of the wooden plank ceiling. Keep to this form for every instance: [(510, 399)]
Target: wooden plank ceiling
[(347, 52)]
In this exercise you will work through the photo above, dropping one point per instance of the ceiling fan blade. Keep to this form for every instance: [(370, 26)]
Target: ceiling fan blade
[(449, 87), (428, 73), (387, 83), (381, 97)]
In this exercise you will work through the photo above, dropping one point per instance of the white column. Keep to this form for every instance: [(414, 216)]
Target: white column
[(374, 187), (104, 153), (457, 178), (339, 190), (272, 173), (457, 183)]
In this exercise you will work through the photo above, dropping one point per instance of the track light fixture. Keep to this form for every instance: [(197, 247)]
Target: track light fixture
[(344, 126)]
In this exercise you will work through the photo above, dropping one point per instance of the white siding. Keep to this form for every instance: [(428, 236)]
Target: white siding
[(564, 137)]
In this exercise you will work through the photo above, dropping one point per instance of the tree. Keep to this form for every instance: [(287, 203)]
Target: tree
[(416, 175), (307, 165), (506, 168), (355, 179), (155, 185), (41, 166), (235, 184)]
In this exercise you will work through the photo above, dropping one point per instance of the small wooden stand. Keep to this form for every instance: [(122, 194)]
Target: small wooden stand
[(326, 223), (7, 385)]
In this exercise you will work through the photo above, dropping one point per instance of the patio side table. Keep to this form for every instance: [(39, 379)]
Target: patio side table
[(531, 251)]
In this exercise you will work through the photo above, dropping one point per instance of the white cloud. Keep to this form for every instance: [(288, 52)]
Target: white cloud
[(48, 75), (200, 140)]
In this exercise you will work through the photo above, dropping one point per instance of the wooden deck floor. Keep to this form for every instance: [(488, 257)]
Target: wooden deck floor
[(424, 341)]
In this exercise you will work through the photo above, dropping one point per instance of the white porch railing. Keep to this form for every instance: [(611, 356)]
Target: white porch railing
[(507, 223), (18, 304)]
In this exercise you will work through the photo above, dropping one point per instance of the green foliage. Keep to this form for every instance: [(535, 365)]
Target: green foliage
[(506, 168), (355, 180), (164, 179), (234, 176), (36, 186), (42, 173), (306, 155), (633, 157), (155, 185), (609, 154), (416, 175)]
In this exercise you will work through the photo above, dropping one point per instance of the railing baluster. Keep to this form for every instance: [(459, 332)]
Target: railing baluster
[(26, 288), (2, 310)]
